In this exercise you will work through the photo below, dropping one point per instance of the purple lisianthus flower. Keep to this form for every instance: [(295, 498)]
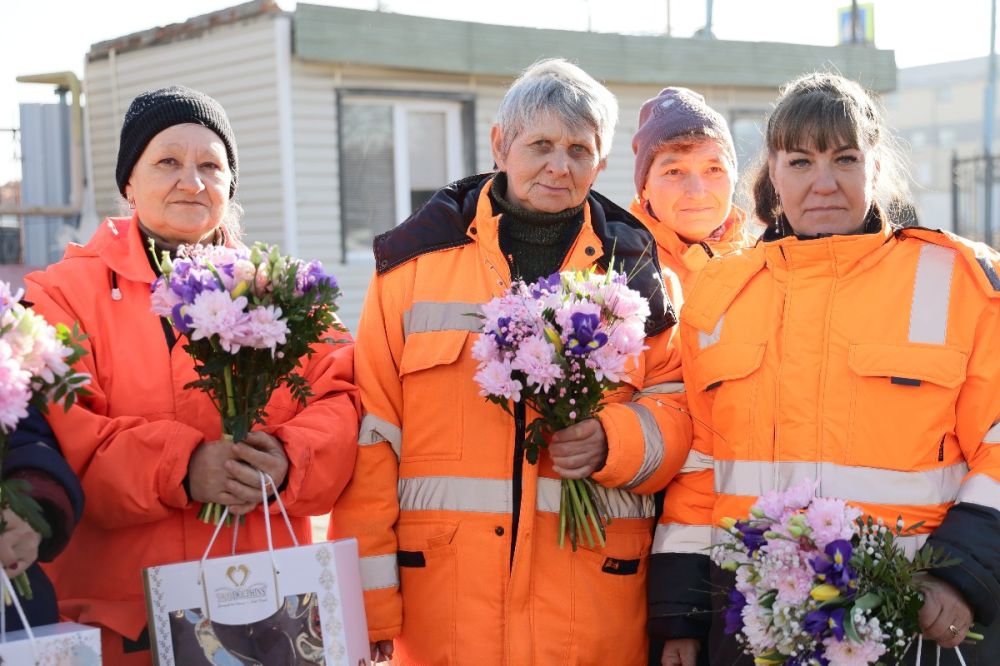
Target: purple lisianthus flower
[(312, 275), (585, 337), (753, 537), (546, 285), (822, 620), (734, 612), (181, 321)]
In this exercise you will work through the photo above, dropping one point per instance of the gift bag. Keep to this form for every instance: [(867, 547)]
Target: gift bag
[(298, 606), (62, 644)]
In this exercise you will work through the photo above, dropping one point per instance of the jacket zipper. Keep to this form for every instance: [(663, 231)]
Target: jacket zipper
[(707, 249), (520, 414)]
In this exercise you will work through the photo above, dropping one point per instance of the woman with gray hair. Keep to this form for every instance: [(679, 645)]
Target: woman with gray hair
[(458, 532)]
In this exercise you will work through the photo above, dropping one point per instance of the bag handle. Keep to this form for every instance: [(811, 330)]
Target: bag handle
[(265, 480), (8, 589), (920, 650)]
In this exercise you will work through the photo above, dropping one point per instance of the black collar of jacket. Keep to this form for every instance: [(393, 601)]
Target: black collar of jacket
[(443, 221)]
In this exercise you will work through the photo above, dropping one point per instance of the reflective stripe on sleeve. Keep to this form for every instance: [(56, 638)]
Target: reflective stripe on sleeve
[(980, 489), (993, 435), (621, 503), (697, 462), (661, 389), (652, 440), (427, 316), (455, 493), (855, 484), (709, 339), (676, 538), (931, 295), (374, 430), (379, 572)]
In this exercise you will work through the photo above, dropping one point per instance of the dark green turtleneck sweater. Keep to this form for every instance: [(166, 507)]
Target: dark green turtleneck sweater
[(534, 243)]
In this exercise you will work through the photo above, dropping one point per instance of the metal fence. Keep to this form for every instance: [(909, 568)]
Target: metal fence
[(968, 197)]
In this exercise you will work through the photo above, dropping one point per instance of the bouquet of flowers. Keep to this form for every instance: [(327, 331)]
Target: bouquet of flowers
[(250, 315), (817, 584), (35, 360), (559, 344)]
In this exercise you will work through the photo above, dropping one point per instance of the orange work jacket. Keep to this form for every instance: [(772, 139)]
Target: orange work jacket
[(866, 362), (450, 570), (131, 439)]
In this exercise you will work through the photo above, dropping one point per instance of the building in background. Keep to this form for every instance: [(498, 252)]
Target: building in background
[(938, 112), (348, 119)]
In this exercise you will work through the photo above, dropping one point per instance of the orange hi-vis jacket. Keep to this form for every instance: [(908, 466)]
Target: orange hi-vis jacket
[(868, 363), (130, 440), (681, 262), (458, 533)]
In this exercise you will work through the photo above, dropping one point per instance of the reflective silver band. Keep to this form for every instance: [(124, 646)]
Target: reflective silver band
[(621, 503), (379, 572), (909, 544), (981, 489), (652, 440), (661, 389), (374, 430), (475, 495), (993, 435), (709, 339), (676, 538), (426, 316), (455, 493), (697, 462), (931, 294), (854, 484)]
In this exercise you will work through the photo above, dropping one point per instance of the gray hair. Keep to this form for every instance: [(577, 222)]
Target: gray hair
[(557, 86)]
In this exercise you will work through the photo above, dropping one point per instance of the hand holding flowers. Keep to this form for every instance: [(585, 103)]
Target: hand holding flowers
[(559, 345), (250, 315), (818, 584)]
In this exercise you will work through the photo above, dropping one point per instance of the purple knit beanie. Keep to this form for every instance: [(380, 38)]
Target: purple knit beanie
[(673, 113)]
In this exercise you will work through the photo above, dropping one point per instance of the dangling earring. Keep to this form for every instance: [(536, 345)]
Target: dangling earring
[(131, 203)]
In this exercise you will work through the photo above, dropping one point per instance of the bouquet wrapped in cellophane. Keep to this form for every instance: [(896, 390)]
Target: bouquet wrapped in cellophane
[(35, 369), (819, 584), (559, 345), (250, 315)]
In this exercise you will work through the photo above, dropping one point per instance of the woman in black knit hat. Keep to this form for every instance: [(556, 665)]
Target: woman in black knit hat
[(148, 450)]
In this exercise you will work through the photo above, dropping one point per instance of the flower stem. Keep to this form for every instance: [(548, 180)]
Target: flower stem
[(578, 512), (585, 491), (562, 516)]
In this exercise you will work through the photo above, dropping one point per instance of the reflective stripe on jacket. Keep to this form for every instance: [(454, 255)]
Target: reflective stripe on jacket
[(433, 495), (131, 440), (866, 362)]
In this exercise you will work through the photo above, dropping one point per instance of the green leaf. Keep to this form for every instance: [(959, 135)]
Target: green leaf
[(868, 601)]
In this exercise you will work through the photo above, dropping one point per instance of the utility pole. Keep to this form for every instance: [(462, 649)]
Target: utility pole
[(988, 122), (854, 21)]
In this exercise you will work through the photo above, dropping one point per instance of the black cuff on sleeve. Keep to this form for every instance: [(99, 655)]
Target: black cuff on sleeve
[(679, 593), (971, 534)]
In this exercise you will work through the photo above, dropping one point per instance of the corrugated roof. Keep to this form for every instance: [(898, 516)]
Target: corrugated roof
[(189, 29)]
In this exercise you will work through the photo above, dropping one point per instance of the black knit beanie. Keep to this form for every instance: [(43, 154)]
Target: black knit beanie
[(152, 112)]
